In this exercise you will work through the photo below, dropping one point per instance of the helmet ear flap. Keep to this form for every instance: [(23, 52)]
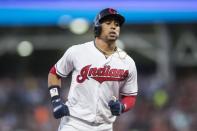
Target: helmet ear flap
[(97, 31), (97, 26)]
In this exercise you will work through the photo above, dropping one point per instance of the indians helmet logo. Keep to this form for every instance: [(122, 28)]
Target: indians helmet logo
[(102, 74), (112, 11)]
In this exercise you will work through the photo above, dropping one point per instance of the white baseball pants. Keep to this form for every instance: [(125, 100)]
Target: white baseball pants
[(69, 123)]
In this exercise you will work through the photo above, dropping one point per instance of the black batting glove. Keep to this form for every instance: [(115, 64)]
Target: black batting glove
[(59, 108), (116, 107)]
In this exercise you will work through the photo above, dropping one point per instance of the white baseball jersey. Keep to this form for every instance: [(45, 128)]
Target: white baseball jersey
[(95, 80)]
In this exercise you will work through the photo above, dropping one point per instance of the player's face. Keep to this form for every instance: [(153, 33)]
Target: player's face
[(110, 29)]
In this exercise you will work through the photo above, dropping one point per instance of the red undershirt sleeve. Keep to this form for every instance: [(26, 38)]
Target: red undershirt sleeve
[(128, 101), (53, 71)]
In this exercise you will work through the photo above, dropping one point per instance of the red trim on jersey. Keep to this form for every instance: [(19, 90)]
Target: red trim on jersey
[(128, 101)]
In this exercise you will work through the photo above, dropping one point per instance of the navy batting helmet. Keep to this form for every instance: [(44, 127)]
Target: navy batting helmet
[(105, 13)]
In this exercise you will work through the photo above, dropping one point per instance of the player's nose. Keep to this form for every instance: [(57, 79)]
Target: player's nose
[(113, 25)]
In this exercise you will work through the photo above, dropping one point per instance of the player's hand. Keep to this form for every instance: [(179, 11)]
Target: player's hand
[(59, 108), (116, 107)]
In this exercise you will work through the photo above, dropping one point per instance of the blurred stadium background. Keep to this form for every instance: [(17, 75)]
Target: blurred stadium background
[(160, 35)]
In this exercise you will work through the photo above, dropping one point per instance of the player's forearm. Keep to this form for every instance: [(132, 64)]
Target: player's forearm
[(53, 80), (59, 108)]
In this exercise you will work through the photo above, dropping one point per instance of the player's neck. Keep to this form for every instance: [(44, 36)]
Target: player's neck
[(108, 47)]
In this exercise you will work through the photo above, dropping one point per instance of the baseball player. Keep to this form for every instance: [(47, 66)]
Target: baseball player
[(104, 79)]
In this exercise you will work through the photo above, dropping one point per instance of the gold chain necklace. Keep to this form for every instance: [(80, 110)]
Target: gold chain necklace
[(107, 53)]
